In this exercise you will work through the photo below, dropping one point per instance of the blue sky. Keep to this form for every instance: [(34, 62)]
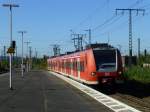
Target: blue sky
[(48, 22)]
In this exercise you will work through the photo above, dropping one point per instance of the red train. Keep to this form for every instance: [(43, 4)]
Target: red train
[(95, 65)]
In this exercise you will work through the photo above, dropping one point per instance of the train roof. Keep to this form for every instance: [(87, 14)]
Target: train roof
[(100, 46), (94, 47)]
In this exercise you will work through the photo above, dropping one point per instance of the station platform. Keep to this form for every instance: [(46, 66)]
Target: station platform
[(39, 91)]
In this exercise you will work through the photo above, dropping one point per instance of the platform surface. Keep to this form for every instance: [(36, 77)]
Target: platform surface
[(40, 91)]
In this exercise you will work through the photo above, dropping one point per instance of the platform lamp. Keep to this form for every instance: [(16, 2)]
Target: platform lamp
[(22, 65), (10, 6)]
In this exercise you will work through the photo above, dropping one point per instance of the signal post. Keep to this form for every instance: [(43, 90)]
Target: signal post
[(10, 51)]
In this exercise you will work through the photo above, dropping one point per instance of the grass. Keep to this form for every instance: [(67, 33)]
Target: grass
[(138, 73)]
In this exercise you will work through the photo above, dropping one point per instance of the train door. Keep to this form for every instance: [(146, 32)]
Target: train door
[(116, 60), (71, 67), (78, 68), (65, 67), (66, 63), (61, 63), (59, 66), (82, 67), (75, 67), (53, 65), (56, 65)]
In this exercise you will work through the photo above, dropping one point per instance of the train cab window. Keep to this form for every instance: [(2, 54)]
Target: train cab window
[(105, 60)]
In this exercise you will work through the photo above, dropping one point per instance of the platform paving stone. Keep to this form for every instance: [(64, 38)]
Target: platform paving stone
[(40, 92)]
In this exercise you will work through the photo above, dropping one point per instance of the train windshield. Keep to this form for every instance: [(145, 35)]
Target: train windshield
[(105, 60)]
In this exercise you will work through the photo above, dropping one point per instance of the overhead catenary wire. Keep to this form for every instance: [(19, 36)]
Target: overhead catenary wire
[(108, 24), (109, 19), (113, 19), (91, 14), (114, 16), (120, 26), (105, 22), (135, 3)]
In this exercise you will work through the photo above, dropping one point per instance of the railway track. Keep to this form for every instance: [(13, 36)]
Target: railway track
[(138, 103), (131, 93)]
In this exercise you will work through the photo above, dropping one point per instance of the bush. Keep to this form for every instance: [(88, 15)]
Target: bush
[(138, 73)]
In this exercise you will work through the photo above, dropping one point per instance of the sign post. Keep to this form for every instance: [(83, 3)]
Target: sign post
[(10, 51)]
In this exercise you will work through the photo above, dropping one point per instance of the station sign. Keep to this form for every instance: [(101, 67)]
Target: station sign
[(11, 50)]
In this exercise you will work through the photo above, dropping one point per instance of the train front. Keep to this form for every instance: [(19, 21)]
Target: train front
[(108, 65)]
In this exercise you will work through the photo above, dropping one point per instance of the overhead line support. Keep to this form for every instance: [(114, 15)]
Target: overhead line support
[(130, 27)]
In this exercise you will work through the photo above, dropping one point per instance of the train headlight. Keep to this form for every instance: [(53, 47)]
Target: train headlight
[(93, 73), (119, 72)]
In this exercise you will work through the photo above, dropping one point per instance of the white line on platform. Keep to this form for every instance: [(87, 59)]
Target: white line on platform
[(109, 102), (4, 74)]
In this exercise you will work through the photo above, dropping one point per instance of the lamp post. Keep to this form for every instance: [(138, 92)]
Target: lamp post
[(10, 6), (22, 65)]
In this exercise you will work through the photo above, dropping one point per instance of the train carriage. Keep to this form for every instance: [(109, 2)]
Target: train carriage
[(92, 66)]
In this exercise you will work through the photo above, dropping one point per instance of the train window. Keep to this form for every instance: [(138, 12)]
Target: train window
[(82, 66), (64, 64), (105, 60), (86, 59), (67, 65), (78, 66), (75, 65), (71, 65), (61, 64)]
